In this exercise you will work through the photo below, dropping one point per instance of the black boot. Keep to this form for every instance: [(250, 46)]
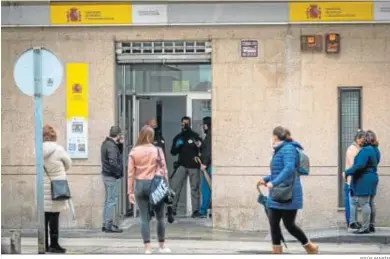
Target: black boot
[(195, 214), (54, 229), (113, 226), (372, 228), (46, 243), (54, 246), (112, 229), (47, 217)]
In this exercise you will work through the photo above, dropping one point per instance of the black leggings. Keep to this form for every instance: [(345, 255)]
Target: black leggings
[(288, 217), (52, 222)]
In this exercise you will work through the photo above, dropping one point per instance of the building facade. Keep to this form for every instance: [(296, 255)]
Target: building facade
[(251, 77)]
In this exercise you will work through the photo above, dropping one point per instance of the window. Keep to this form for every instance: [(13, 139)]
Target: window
[(349, 122), (155, 78)]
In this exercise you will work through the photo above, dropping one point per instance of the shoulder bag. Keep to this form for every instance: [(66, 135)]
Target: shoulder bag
[(283, 193), (159, 188), (59, 189)]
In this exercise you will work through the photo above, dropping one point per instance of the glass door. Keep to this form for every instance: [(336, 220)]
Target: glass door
[(125, 118), (198, 107), (168, 110)]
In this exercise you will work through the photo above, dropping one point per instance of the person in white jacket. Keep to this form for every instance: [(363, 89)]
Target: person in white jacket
[(56, 163), (350, 199)]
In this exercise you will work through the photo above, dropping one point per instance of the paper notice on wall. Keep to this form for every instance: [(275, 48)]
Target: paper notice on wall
[(77, 110), (77, 138)]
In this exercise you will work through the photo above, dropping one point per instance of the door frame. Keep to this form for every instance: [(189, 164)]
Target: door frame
[(190, 96), (189, 112)]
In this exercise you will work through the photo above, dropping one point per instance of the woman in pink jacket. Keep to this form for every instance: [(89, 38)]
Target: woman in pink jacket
[(146, 160)]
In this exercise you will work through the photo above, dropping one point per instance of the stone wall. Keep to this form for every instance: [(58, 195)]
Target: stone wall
[(298, 90), (250, 97)]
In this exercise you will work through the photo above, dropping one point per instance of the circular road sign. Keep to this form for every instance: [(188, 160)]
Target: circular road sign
[(52, 72)]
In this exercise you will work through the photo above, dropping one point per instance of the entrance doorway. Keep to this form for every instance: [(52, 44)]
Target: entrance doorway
[(166, 93), (168, 111)]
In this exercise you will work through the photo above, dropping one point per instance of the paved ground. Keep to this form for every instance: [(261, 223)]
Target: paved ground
[(200, 229), (195, 236), (132, 246)]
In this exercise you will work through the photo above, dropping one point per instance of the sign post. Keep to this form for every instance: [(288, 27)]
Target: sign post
[(38, 72), (37, 56)]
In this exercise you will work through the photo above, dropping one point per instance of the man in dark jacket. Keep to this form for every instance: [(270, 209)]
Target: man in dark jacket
[(112, 170), (186, 145), (206, 168)]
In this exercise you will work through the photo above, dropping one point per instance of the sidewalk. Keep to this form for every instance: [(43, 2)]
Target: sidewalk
[(196, 236), (201, 229), (131, 246)]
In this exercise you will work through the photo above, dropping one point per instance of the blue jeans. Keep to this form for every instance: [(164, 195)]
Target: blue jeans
[(353, 206), (111, 190), (347, 203), (206, 193), (141, 192)]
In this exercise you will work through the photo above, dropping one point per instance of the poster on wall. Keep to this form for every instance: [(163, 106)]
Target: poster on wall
[(77, 110)]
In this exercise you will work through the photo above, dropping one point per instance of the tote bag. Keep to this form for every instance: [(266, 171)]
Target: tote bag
[(159, 188)]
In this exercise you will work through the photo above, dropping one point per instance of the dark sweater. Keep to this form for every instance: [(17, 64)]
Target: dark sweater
[(188, 150)]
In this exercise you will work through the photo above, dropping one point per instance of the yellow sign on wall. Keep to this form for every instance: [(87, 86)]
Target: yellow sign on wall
[(74, 13), (77, 90), (77, 110), (330, 11)]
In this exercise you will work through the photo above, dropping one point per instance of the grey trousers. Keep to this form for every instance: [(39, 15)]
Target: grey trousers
[(141, 193), (366, 203), (357, 201), (179, 179), (111, 199)]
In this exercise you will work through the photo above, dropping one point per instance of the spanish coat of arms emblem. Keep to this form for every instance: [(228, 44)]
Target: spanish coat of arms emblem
[(77, 89), (74, 15), (313, 12)]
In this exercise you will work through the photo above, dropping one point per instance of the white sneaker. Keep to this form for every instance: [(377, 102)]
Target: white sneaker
[(164, 250), (148, 251)]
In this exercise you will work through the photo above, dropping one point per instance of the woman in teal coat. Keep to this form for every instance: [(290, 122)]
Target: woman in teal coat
[(364, 183)]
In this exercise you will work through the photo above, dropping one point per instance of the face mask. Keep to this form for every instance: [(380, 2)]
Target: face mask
[(205, 129), (186, 127)]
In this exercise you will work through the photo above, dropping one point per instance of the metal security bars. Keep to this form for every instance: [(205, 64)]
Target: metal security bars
[(163, 51), (163, 47), (350, 120)]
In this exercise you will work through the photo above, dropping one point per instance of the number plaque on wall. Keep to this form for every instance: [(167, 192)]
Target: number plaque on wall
[(311, 43), (249, 48)]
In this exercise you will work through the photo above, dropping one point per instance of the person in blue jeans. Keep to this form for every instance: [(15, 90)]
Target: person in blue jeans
[(112, 171), (206, 150), (364, 172), (350, 200)]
